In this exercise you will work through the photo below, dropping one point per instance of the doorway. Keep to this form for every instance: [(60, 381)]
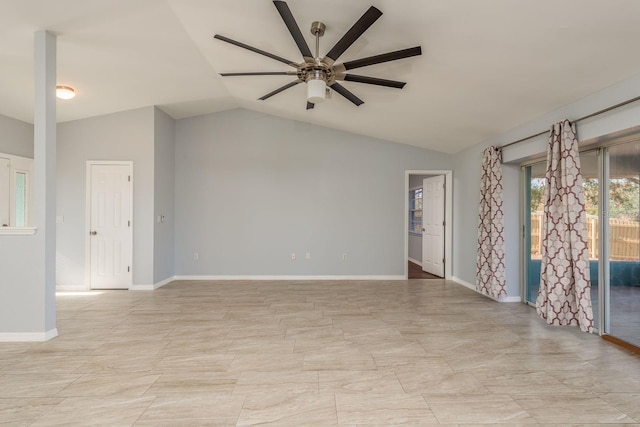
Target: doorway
[(428, 220), (109, 224)]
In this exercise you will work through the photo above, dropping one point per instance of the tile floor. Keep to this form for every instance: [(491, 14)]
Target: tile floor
[(419, 352)]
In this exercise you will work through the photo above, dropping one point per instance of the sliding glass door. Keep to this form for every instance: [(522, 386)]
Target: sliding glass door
[(611, 179), (624, 242)]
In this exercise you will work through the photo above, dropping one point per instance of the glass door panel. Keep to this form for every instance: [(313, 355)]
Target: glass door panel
[(535, 191), (624, 242), (21, 199), (589, 166), (534, 207)]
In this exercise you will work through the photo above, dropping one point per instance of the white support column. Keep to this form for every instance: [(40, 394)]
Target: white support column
[(45, 165), (28, 260)]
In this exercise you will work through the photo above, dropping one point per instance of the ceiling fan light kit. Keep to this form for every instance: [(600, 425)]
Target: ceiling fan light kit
[(316, 90), (320, 74)]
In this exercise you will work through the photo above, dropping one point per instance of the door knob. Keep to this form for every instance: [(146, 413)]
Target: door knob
[(93, 233)]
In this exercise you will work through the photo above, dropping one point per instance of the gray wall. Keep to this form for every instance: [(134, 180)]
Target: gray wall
[(164, 200), (22, 265), (16, 137), (254, 188), (127, 135), (22, 305)]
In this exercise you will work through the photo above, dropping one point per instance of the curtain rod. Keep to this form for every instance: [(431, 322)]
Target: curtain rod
[(613, 107)]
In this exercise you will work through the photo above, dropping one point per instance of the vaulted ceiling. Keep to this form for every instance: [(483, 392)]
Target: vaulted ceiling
[(487, 66)]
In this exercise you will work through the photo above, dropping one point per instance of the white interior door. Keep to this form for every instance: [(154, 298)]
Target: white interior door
[(110, 227), (5, 191), (433, 225)]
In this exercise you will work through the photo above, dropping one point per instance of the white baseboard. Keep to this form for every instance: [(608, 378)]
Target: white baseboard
[(154, 286), (28, 336), (264, 278), (473, 287), (415, 261), (66, 288), (141, 288), (164, 282), (463, 283), (257, 278)]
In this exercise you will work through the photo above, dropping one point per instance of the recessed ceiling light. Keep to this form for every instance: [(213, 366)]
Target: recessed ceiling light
[(65, 92)]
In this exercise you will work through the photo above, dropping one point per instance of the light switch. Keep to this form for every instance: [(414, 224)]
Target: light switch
[(59, 219)]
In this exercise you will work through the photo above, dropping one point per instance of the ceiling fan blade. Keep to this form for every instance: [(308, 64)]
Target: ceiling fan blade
[(385, 57), (373, 81), (255, 49), (347, 94), (261, 73), (292, 25), (280, 89), (365, 21), (310, 105)]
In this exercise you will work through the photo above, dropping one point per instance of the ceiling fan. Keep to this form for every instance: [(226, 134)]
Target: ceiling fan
[(318, 73)]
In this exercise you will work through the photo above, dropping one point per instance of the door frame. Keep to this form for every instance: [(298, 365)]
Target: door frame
[(448, 217), (87, 201)]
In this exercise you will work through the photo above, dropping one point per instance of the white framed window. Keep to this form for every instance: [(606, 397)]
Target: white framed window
[(415, 210), (16, 195)]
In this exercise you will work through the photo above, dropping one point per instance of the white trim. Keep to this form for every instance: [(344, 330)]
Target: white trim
[(463, 283), (69, 288), (141, 288), (415, 261), (448, 217), (152, 287), (18, 231), (28, 336), (87, 201), (473, 288), (260, 278), (164, 282)]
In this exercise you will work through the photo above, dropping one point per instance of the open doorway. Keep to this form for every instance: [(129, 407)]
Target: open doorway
[(428, 209)]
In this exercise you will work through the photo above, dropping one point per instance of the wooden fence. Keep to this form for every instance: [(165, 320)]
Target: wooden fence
[(624, 237)]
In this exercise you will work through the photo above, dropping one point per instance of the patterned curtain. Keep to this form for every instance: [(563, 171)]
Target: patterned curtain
[(490, 260), (564, 297)]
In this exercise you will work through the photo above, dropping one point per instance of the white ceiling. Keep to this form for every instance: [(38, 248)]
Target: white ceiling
[(487, 66)]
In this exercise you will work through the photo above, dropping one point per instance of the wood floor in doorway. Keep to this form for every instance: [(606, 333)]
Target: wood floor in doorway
[(415, 272)]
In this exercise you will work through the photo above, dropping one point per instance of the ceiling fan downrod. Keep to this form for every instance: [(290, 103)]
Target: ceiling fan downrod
[(317, 29)]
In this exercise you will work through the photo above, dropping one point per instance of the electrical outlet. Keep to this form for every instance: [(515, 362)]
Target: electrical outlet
[(293, 256), (308, 255), (196, 256), (344, 257)]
